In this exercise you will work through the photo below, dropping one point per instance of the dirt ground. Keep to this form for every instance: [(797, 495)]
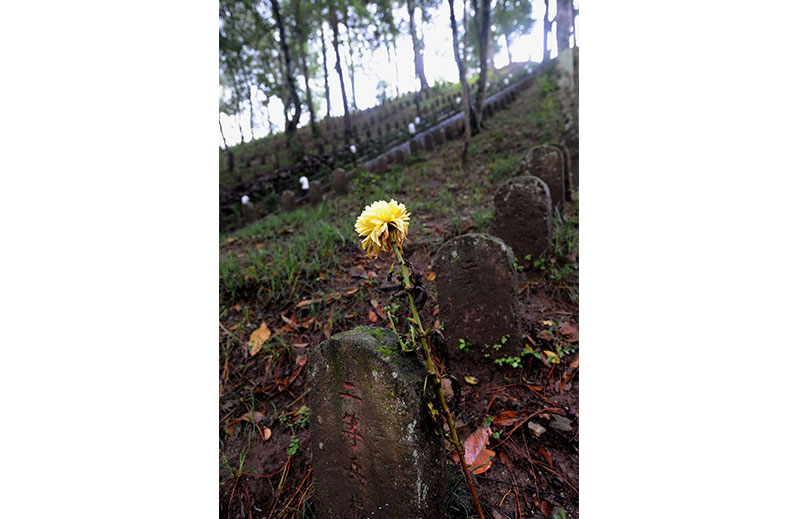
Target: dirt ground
[(265, 465)]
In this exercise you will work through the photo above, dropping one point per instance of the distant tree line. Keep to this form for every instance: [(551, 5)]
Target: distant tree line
[(271, 49)]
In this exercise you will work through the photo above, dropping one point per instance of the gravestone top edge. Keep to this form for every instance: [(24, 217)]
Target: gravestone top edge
[(473, 237)]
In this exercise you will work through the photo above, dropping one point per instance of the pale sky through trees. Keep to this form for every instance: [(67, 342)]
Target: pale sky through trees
[(374, 67)]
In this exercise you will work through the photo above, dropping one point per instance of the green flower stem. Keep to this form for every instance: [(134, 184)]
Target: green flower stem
[(437, 383)]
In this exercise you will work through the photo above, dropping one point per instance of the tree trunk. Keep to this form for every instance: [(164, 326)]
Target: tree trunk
[(482, 23), (309, 98), (351, 67), (462, 78), (563, 22), (239, 122), (335, 25), (301, 44), (545, 30), (466, 31), (389, 58), (419, 67), (396, 69), (224, 142), (508, 47), (291, 124), (252, 116), (575, 54), (325, 70), (228, 152), (491, 50)]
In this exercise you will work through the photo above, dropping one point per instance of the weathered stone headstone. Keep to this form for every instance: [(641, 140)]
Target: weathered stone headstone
[(249, 212), (314, 192), (438, 136), (567, 170), (449, 131), (287, 200), (428, 140), (477, 287), (413, 145), (546, 163), (399, 155), (374, 450), (339, 181), (382, 165), (523, 216)]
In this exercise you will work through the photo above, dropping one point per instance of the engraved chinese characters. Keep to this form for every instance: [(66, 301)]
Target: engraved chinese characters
[(375, 452)]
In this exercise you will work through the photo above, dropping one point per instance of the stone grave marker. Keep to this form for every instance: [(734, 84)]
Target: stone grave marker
[(374, 450), (314, 192), (524, 216), (249, 212), (428, 141), (413, 145), (339, 181), (438, 136), (287, 200), (567, 170), (546, 163), (382, 165), (477, 286), (449, 132), (399, 155)]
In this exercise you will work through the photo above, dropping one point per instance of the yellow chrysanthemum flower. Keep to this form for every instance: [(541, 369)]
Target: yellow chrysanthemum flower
[(381, 224)]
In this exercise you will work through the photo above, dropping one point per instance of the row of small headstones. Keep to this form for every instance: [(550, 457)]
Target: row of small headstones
[(313, 190), (335, 133), (394, 107), (375, 452), (334, 137), (437, 106)]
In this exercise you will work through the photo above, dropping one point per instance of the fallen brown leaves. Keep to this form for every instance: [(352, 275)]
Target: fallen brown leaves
[(258, 338), (477, 456)]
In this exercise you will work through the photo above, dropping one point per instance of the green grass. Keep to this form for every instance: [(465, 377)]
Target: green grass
[(283, 254), (548, 118), (294, 247), (503, 168)]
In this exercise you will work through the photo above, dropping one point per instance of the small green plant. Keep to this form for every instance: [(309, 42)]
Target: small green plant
[(514, 362), (503, 340), (464, 345), (294, 445), (540, 264), (304, 416), (487, 421)]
